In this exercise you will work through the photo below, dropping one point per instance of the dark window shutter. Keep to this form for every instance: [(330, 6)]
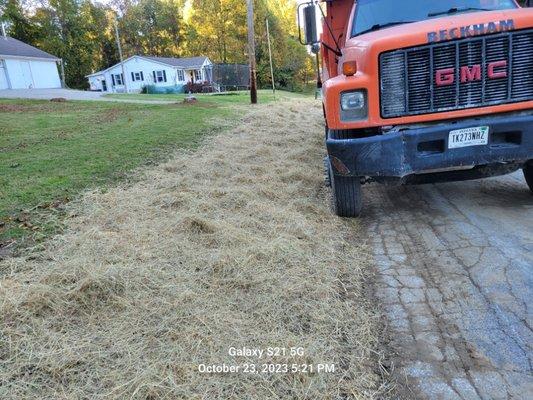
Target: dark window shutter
[(113, 79), (133, 76), (122, 76), (164, 75), (155, 80), (142, 76)]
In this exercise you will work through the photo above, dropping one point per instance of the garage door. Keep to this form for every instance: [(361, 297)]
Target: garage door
[(26, 74), (3, 76)]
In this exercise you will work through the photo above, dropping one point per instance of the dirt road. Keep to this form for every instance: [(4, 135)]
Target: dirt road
[(455, 279)]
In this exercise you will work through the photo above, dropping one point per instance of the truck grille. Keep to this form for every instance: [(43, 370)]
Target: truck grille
[(408, 76)]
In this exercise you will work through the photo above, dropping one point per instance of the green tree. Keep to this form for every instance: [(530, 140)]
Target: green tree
[(152, 27), (290, 59), (81, 32), (67, 32), (219, 29), (18, 23), (98, 31)]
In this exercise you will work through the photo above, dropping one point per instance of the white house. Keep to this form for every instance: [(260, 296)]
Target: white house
[(25, 67), (140, 71)]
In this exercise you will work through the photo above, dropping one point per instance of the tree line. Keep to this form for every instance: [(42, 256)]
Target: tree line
[(81, 32)]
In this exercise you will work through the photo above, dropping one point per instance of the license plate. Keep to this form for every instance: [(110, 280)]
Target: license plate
[(469, 137)]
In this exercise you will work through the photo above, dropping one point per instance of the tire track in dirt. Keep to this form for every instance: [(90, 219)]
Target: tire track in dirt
[(454, 264)]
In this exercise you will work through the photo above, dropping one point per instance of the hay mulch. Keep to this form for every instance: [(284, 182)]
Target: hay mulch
[(230, 245)]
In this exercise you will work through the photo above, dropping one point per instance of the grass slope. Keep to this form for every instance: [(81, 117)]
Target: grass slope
[(49, 152), (230, 245), (264, 97)]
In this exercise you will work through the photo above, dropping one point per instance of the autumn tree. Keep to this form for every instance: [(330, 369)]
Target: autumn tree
[(219, 29), (81, 32)]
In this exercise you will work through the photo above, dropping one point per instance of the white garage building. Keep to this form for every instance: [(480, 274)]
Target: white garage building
[(25, 67)]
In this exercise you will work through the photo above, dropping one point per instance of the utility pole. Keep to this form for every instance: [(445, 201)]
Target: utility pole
[(251, 51), (270, 55), (63, 82), (120, 55)]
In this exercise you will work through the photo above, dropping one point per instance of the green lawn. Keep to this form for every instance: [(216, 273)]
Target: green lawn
[(264, 96), (49, 152)]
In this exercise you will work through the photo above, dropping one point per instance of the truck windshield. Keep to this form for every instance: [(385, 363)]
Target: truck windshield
[(373, 15)]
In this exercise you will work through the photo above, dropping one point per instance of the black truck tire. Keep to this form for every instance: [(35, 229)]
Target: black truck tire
[(347, 195), (528, 174)]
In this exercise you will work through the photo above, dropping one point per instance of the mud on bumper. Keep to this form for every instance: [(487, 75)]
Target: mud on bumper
[(419, 154)]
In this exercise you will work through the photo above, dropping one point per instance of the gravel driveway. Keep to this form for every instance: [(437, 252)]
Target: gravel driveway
[(455, 278), (69, 94), (47, 94)]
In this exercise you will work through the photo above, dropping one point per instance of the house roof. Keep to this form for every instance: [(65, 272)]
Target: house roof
[(185, 63), (15, 48)]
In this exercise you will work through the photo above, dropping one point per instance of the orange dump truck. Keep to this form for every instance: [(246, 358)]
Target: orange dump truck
[(420, 91)]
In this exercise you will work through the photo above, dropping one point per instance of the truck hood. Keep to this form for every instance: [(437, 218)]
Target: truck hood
[(443, 29)]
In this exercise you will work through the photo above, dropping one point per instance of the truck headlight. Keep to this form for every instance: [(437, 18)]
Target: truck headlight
[(354, 105)]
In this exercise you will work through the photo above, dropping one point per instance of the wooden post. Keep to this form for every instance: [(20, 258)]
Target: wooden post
[(124, 77), (270, 56), (318, 77), (251, 51)]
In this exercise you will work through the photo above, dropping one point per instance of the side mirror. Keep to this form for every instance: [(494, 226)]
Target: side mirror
[(311, 35), (309, 22)]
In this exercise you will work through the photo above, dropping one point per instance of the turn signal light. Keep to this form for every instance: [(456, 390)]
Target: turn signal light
[(349, 68)]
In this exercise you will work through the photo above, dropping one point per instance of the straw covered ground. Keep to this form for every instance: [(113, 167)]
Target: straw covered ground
[(228, 245)]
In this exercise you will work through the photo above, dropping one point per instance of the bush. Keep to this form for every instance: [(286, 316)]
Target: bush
[(195, 87)]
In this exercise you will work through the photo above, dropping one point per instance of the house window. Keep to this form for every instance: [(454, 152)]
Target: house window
[(181, 75), (197, 75), (160, 76), (137, 76), (118, 79)]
